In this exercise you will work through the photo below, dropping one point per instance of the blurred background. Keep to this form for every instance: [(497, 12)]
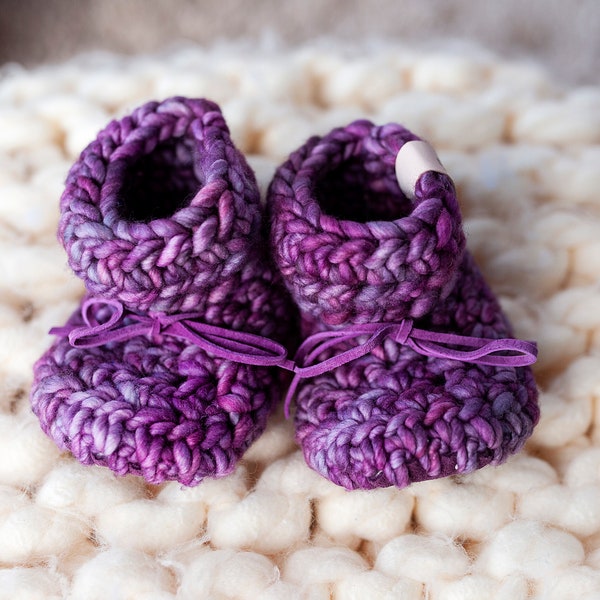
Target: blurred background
[(564, 35)]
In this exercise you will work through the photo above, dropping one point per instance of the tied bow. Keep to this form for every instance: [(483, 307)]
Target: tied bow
[(251, 349), (238, 346), (505, 352)]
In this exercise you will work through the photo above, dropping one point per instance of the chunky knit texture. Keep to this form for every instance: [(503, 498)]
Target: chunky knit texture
[(353, 249), (162, 213), (523, 151)]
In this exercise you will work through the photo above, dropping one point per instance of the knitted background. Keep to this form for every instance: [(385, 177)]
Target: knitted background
[(525, 155)]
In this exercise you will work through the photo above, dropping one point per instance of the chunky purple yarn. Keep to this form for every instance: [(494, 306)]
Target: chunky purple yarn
[(162, 213), (353, 249)]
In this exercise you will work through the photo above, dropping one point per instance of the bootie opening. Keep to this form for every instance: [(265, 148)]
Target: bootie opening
[(361, 188), (158, 184)]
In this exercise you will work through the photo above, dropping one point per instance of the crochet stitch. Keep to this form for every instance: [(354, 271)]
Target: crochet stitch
[(352, 249), (161, 216)]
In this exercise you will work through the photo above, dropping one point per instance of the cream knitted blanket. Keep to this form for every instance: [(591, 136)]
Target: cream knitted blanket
[(525, 155)]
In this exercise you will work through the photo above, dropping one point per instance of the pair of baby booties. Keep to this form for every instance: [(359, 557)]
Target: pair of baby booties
[(197, 295)]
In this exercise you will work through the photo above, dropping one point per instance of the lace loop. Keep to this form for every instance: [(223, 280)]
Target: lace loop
[(494, 352), (238, 346)]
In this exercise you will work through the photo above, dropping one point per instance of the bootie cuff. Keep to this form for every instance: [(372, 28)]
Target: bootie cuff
[(351, 246), (160, 207)]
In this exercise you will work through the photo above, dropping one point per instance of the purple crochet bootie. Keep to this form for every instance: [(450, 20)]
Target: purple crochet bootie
[(165, 371), (409, 371)]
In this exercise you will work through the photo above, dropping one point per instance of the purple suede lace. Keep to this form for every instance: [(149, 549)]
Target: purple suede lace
[(435, 384), (250, 349), (239, 346), (507, 352)]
